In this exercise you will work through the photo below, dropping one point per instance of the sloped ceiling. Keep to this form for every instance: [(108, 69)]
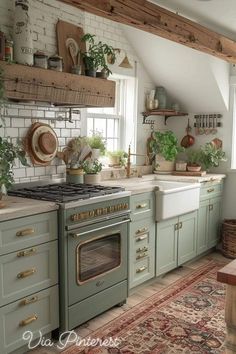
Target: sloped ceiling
[(198, 81)]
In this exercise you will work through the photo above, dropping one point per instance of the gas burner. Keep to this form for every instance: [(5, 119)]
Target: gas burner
[(65, 192)]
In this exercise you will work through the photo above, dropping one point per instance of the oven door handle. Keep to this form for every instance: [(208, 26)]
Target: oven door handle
[(74, 235)]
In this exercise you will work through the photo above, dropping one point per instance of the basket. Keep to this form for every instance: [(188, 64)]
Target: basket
[(229, 238)]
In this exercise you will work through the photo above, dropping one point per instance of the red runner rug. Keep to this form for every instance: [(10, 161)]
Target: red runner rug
[(186, 317)]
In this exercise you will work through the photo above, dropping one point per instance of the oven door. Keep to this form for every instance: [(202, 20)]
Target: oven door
[(97, 257)]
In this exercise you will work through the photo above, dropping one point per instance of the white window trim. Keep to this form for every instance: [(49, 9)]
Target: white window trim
[(233, 114)]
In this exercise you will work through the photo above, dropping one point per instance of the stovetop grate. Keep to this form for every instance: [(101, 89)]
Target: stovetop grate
[(64, 192)]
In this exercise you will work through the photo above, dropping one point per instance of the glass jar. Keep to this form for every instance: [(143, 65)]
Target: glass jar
[(160, 95)]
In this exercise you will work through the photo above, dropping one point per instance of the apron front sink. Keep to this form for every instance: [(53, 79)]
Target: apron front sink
[(175, 198)]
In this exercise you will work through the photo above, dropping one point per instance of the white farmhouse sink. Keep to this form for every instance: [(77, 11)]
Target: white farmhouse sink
[(175, 198)]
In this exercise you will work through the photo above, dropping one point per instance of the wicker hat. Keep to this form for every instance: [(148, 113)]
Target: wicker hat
[(42, 143)]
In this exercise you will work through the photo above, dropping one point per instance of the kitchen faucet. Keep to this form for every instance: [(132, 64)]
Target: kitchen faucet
[(128, 165)]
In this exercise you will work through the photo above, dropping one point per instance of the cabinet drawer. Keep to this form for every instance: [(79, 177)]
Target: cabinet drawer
[(27, 271), (26, 232), (211, 189), (142, 206), (38, 312), (141, 271)]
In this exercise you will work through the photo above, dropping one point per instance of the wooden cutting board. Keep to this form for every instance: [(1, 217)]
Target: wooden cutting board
[(187, 173), (66, 30)]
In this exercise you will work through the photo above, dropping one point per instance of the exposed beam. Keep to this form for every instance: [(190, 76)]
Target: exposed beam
[(154, 19)]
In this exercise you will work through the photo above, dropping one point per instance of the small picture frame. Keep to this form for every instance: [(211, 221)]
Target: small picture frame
[(2, 46)]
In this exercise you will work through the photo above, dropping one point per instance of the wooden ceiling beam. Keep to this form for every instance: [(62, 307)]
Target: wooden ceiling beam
[(154, 19)]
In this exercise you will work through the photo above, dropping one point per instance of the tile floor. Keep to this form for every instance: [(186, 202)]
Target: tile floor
[(137, 295)]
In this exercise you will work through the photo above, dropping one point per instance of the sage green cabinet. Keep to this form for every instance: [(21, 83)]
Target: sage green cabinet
[(29, 299), (209, 215), (175, 242), (141, 239)]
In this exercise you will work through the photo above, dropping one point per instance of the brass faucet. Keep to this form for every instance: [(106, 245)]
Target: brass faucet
[(128, 165)]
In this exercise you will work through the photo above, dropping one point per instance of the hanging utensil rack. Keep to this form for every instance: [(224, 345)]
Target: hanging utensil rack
[(207, 123)]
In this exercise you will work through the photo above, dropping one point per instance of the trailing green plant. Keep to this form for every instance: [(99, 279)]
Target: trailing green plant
[(95, 55), (8, 153), (122, 155), (211, 155), (92, 167), (2, 97), (165, 144), (96, 141)]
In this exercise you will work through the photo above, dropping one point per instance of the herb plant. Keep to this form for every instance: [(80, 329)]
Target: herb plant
[(96, 141), (211, 156), (122, 155), (165, 144), (8, 153), (92, 167)]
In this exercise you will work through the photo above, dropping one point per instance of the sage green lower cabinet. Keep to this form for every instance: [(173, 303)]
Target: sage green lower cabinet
[(141, 239), (209, 215), (29, 296), (175, 242)]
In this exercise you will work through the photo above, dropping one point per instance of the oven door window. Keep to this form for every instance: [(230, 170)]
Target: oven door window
[(98, 256)]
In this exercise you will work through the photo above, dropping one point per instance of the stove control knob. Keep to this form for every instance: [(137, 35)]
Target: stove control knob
[(119, 207), (99, 211), (104, 211), (126, 206), (91, 213), (116, 207), (112, 209)]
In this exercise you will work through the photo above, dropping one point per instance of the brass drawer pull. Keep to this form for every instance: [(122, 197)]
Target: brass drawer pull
[(141, 255), (28, 320), (141, 206), (210, 190), (211, 207), (141, 269), (140, 231), (29, 252), (25, 232), (180, 225), (141, 238), (176, 226), (29, 301), (26, 273), (144, 249)]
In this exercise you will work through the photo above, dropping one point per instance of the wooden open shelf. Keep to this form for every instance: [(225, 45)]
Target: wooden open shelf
[(162, 112), (25, 83)]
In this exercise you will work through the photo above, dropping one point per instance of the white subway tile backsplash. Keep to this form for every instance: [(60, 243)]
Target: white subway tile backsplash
[(12, 132), (19, 172), (17, 122), (39, 171), (25, 113)]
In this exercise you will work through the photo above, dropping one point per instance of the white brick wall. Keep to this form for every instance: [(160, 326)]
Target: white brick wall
[(44, 16)]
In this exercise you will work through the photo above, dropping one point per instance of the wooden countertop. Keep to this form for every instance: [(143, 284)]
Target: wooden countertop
[(227, 274), (19, 207)]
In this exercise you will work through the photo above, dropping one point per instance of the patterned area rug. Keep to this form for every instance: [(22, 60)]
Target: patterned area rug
[(187, 317)]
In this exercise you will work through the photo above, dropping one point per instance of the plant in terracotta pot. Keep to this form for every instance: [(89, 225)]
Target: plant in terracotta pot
[(8, 153), (92, 169), (95, 56), (164, 148), (194, 158)]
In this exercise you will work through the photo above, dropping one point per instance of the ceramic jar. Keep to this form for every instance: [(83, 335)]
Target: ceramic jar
[(160, 95), (23, 42)]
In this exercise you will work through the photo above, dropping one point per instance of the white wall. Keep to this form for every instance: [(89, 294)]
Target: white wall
[(44, 15)]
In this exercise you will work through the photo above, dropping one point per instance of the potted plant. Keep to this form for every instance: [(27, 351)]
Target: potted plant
[(8, 153), (76, 151), (164, 148), (95, 56), (211, 155), (194, 158), (117, 158), (97, 144), (92, 169)]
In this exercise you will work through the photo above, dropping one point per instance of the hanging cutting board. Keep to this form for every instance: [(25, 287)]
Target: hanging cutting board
[(65, 31)]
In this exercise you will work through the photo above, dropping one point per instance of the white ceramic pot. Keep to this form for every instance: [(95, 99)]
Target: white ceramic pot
[(92, 178), (22, 34), (163, 165)]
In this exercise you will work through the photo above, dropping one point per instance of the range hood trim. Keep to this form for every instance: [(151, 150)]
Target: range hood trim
[(25, 83)]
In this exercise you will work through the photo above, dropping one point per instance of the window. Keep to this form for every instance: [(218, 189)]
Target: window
[(116, 124), (233, 105), (107, 121)]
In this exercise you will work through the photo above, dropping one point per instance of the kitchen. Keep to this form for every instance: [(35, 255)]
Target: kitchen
[(168, 62)]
